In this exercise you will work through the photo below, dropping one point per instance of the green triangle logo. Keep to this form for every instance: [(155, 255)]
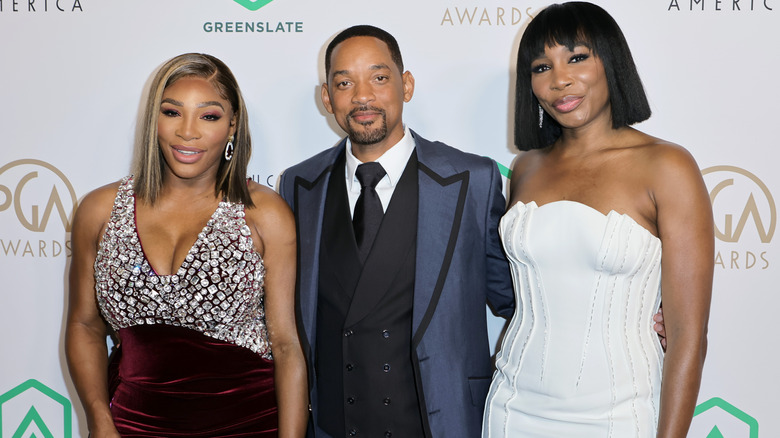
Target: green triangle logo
[(32, 417), (253, 5), (715, 433)]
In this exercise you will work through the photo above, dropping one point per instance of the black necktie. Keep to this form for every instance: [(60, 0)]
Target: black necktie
[(368, 210)]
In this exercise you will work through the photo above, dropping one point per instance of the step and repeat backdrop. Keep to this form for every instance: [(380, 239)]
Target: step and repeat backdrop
[(71, 82)]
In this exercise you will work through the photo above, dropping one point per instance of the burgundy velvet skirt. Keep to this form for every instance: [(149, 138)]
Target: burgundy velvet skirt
[(170, 381)]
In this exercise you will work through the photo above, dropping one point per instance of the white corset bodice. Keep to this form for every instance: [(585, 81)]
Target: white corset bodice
[(580, 357)]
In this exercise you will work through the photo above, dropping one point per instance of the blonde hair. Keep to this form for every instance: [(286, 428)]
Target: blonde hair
[(149, 166)]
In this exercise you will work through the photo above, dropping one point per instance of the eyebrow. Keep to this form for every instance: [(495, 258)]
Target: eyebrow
[(200, 105), (543, 55), (373, 67), (379, 67)]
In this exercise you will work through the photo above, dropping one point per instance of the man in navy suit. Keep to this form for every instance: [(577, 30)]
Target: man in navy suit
[(394, 330)]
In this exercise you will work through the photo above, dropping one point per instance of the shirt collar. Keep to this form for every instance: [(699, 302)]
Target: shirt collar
[(393, 160)]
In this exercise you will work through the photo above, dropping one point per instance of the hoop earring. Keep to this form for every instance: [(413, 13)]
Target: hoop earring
[(541, 117), (229, 149)]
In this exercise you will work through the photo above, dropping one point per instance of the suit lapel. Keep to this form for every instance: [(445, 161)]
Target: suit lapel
[(442, 197), (309, 195)]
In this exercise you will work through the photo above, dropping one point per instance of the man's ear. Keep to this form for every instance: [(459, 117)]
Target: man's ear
[(325, 95), (408, 81)]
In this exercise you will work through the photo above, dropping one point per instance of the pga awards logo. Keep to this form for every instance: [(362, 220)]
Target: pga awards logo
[(37, 202), (745, 217)]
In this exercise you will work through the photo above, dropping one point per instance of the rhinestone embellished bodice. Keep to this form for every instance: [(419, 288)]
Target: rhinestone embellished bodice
[(218, 290)]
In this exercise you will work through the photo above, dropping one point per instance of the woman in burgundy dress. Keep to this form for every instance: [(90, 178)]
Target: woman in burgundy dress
[(193, 268)]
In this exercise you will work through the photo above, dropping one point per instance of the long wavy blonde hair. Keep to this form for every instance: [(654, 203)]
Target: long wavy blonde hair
[(149, 165)]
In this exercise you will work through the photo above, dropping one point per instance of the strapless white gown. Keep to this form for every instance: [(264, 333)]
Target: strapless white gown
[(580, 357)]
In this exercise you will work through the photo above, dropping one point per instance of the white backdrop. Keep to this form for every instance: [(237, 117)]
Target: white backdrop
[(71, 84)]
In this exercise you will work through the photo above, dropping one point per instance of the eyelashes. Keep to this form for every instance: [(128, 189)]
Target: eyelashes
[(575, 58), (579, 57), (211, 117)]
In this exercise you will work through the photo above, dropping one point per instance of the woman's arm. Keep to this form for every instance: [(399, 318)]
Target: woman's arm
[(685, 226), (275, 225), (85, 331)]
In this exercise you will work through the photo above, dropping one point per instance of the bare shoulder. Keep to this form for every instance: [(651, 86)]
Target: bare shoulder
[(266, 200), (525, 165), (101, 196), (95, 208), (669, 170), (527, 160), (666, 159), (270, 210)]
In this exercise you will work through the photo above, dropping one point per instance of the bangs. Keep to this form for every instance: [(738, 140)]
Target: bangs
[(557, 26), (573, 24)]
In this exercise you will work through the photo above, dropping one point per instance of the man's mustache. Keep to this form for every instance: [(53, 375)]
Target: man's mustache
[(365, 109)]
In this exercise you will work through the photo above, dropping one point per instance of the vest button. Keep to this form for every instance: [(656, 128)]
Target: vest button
[(385, 334), (388, 434), (386, 367), (348, 333), (350, 367), (386, 401), (351, 400), (352, 432)]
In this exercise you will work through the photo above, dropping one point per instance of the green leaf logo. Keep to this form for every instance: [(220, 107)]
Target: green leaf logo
[(253, 5)]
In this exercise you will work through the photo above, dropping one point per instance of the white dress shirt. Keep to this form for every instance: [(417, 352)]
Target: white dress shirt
[(393, 161)]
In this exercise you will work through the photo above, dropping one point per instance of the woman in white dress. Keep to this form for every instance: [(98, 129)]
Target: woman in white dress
[(593, 201)]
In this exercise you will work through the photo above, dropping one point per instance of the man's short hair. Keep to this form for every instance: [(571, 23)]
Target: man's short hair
[(368, 31)]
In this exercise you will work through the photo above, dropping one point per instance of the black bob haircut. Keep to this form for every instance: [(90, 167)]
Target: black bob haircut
[(571, 24), (365, 30)]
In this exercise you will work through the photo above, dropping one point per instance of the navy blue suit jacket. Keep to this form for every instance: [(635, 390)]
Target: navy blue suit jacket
[(460, 265)]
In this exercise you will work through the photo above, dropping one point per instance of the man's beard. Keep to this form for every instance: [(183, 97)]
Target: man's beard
[(368, 136)]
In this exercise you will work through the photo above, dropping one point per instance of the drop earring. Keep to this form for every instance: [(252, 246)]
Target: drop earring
[(541, 117), (229, 149)]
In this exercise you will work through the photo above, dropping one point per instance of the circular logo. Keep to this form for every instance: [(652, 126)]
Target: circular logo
[(742, 205), (37, 194)]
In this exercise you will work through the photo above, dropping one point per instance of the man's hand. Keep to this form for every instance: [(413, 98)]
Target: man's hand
[(659, 327)]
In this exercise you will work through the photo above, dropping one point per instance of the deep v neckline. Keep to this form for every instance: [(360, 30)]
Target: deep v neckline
[(193, 248)]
